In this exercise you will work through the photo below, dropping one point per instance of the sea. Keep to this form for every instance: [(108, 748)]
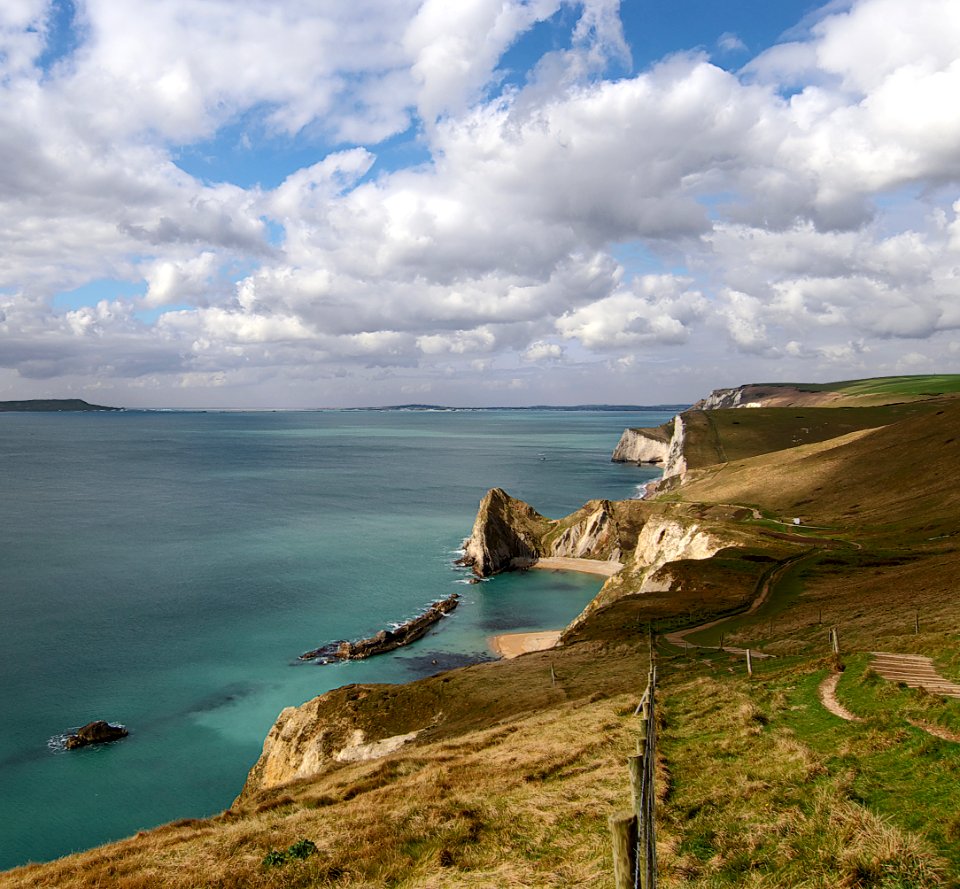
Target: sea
[(164, 570)]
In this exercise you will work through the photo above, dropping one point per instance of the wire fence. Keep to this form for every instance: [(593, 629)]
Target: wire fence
[(633, 833)]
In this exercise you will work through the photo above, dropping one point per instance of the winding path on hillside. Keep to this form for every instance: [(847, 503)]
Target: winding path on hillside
[(913, 670), (679, 637), (827, 692)]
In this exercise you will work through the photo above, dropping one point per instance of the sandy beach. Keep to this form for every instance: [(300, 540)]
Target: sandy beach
[(587, 566), (511, 645)]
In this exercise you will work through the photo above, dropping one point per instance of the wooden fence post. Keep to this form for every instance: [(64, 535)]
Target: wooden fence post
[(623, 834), (916, 622), (749, 664), (635, 765), (633, 835)]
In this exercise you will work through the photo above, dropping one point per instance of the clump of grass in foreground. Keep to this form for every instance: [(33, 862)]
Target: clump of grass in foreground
[(752, 804)]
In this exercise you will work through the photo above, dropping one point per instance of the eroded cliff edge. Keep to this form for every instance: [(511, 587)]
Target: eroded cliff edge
[(509, 534), (660, 445)]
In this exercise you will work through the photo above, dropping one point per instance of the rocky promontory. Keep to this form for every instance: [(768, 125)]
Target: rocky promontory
[(386, 640), (507, 534), (663, 445)]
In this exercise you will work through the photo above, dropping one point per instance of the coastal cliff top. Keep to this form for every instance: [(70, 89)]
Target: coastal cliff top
[(844, 393)]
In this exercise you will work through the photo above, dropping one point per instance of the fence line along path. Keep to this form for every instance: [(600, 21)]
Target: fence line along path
[(633, 832), (914, 671)]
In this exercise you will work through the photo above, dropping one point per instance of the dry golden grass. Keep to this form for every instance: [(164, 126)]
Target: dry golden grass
[(518, 805), (893, 482)]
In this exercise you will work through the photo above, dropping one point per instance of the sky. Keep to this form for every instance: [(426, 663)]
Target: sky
[(315, 203)]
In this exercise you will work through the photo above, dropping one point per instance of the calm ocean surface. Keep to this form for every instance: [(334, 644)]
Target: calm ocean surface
[(164, 570)]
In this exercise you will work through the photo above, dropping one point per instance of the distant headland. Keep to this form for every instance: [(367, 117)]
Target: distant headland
[(54, 404)]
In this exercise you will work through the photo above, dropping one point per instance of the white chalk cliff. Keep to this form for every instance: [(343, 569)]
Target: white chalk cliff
[(595, 536), (326, 730), (655, 446), (675, 465), (641, 446), (664, 540)]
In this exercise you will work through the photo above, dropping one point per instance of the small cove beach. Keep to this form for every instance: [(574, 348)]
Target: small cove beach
[(511, 645)]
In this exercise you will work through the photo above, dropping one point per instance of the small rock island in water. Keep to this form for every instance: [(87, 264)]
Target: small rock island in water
[(97, 732)]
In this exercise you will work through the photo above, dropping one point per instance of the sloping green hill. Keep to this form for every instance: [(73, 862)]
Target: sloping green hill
[(918, 386)]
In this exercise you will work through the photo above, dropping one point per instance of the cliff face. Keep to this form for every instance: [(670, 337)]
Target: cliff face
[(661, 444), (662, 541), (768, 395), (642, 446), (721, 399), (332, 728), (601, 529), (593, 537), (507, 533), (675, 465)]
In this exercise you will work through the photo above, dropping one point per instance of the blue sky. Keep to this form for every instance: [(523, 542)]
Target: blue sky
[(268, 204)]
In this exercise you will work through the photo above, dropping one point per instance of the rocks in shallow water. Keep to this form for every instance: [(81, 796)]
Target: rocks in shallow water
[(97, 732), (385, 640)]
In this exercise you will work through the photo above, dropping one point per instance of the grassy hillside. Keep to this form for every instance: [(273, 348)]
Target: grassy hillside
[(893, 481), (719, 436), (906, 387), (520, 762)]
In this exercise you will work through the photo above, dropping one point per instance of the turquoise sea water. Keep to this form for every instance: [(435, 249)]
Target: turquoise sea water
[(164, 570)]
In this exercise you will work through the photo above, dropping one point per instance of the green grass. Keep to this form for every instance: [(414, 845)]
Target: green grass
[(894, 769), (736, 434), (920, 384), (766, 790), (868, 694)]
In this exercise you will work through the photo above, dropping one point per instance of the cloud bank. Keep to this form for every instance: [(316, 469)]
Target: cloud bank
[(444, 227)]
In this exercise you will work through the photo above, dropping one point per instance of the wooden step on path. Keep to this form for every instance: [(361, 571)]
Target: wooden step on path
[(914, 671)]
